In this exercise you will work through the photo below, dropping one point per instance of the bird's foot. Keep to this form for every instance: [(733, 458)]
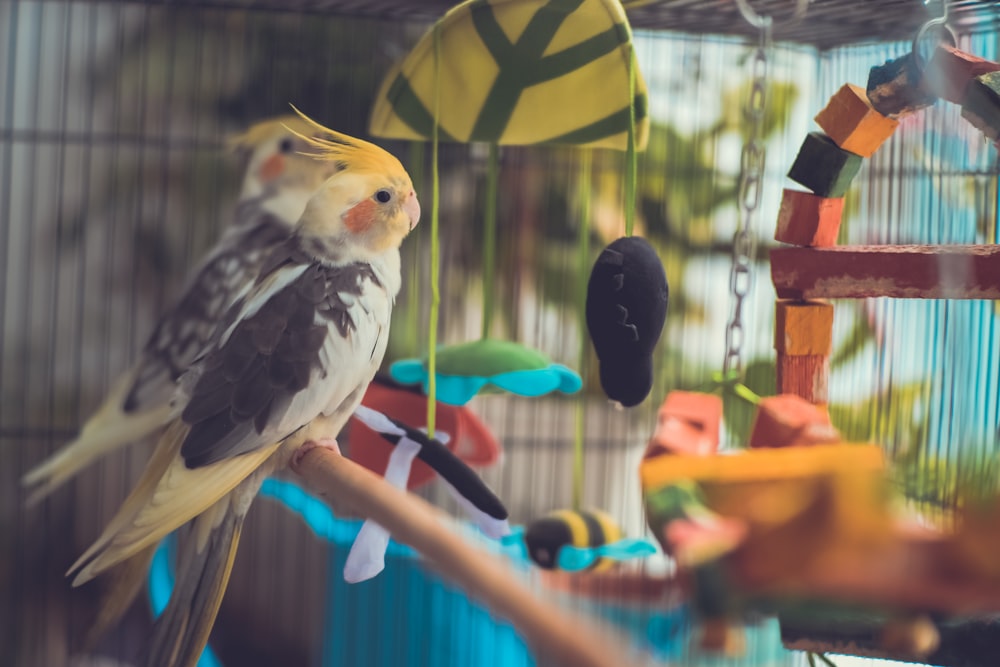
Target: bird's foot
[(327, 443)]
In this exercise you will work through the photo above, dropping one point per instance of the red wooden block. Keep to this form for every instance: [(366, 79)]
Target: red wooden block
[(807, 219), (688, 422), (788, 420), (805, 375), (853, 123), (897, 271), (949, 72)]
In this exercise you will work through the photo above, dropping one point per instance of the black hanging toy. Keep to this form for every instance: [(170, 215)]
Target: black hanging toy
[(626, 309)]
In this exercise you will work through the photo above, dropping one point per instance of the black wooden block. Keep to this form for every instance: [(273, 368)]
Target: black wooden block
[(824, 167), (981, 105)]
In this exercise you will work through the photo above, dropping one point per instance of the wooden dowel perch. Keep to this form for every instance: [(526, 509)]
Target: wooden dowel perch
[(897, 271), (555, 634)]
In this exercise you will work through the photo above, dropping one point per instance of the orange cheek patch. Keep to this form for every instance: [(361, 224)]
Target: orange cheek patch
[(361, 216), (272, 168)]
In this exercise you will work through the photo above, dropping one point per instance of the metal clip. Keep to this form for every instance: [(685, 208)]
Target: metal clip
[(764, 22), (939, 25)]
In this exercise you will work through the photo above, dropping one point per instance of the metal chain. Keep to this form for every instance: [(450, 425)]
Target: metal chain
[(749, 195)]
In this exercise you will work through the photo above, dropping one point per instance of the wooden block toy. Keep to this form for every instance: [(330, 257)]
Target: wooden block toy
[(803, 327), (851, 121), (981, 105), (787, 420), (897, 271), (688, 422), (722, 636), (768, 466), (808, 220), (805, 375), (824, 167), (949, 72), (894, 88)]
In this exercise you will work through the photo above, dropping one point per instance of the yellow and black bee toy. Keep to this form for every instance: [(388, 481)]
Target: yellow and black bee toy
[(576, 540)]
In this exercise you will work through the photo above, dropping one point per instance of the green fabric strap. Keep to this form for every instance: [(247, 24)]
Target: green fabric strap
[(435, 250), (416, 169), (490, 237), (584, 194), (631, 165)]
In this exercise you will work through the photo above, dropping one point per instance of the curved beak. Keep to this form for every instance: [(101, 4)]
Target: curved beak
[(412, 209)]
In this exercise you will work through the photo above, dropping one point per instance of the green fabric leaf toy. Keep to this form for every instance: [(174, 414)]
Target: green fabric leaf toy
[(488, 366)]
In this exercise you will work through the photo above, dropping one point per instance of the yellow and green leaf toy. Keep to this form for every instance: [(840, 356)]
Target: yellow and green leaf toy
[(519, 72)]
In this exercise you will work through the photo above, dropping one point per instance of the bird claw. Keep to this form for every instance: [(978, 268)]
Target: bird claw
[(326, 443)]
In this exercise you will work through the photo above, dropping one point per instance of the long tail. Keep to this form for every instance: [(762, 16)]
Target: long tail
[(109, 429), (204, 564)]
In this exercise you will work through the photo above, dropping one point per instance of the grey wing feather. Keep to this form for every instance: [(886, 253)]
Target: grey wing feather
[(250, 379), (184, 331)]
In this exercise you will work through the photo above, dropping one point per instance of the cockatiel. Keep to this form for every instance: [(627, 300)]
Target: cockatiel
[(279, 181), (301, 344)]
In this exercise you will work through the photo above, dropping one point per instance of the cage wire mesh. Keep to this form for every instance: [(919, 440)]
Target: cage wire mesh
[(114, 179)]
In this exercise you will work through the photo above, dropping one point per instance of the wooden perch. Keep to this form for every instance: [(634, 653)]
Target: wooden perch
[(898, 271), (555, 634)]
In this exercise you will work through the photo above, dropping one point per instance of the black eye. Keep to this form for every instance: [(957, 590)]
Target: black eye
[(383, 196), (286, 146)]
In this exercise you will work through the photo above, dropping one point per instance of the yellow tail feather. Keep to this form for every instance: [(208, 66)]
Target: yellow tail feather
[(168, 495)]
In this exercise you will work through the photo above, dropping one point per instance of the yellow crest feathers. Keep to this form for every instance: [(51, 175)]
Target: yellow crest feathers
[(268, 129), (349, 152)]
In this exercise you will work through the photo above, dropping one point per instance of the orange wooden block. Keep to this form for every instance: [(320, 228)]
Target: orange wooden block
[(949, 72), (688, 422), (853, 123), (806, 219), (803, 327), (788, 420), (806, 375)]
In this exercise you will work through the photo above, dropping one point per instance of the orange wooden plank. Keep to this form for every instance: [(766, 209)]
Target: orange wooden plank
[(762, 465), (897, 271)]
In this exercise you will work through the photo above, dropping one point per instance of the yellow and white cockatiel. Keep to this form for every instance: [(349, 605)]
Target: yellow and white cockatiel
[(302, 342), (279, 181)]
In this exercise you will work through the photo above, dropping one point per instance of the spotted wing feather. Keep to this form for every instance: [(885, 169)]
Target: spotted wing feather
[(184, 331)]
